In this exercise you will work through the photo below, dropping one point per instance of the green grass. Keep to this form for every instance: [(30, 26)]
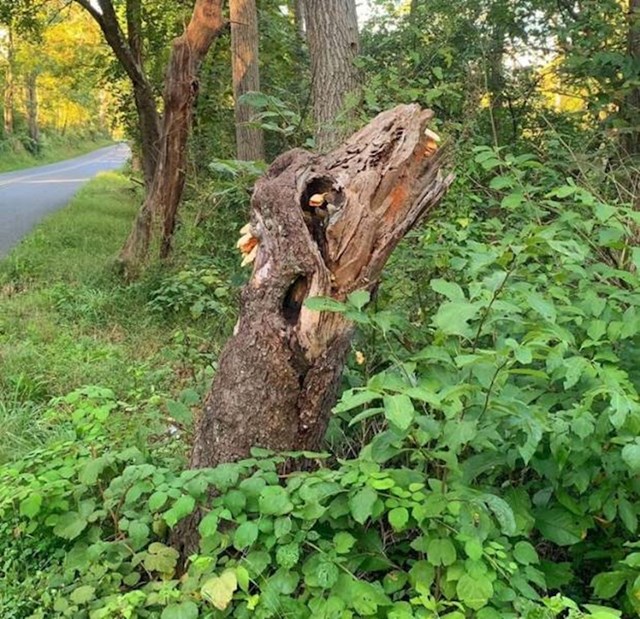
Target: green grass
[(13, 156), (68, 320)]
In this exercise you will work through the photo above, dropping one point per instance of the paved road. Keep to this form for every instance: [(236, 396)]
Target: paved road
[(26, 196)]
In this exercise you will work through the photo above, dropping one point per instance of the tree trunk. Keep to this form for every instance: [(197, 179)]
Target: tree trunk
[(495, 79), (299, 14), (130, 58), (332, 33), (278, 375), (246, 76), (33, 126), (631, 104), (9, 86), (181, 90)]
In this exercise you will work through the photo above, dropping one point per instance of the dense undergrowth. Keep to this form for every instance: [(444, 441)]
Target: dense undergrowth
[(482, 461)]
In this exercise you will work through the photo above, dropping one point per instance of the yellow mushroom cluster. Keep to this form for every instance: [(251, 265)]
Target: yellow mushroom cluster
[(432, 142), (248, 245)]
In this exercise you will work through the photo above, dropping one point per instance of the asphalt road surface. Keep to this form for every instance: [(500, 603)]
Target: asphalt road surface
[(26, 196)]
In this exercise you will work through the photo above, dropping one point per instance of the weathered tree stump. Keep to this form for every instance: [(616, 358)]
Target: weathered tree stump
[(278, 375)]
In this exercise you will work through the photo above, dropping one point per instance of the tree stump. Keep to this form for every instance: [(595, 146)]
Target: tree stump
[(278, 375)]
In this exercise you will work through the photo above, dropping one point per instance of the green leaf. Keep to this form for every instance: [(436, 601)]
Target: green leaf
[(246, 534), (607, 584), (343, 542), (474, 591), (287, 556), (30, 506), (185, 610), (398, 518), (70, 525), (452, 318), (513, 200), (161, 558), (525, 553), (83, 594), (209, 524), (220, 589), (92, 470), (502, 512), (560, 526), (450, 290), (361, 504), (359, 298), (399, 411), (274, 501), (441, 552), (631, 456), (324, 304), (157, 500), (181, 509)]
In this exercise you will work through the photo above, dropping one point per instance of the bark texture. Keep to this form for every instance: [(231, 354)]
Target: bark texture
[(631, 104), (128, 51), (246, 76), (278, 375), (299, 13), (181, 90), (332, 34)]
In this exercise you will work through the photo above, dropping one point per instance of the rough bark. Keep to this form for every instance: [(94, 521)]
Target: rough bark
[(299, 14), (332, 34), (181, 90), (246, 76), (33, 126), (278, 375), (128, 51), (9, 86), (631, 104)]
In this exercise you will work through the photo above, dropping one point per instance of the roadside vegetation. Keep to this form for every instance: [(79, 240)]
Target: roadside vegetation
[(14, 156)]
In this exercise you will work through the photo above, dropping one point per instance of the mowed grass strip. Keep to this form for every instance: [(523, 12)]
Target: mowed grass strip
[(66, 318), (15, 157)]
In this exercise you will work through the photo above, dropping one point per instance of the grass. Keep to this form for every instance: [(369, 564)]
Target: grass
[(13, 156), (68, 320)]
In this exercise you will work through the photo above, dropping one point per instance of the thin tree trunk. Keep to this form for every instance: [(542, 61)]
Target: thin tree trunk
[(278, 375), (32, 112), (495, 79), (9, 86), (149, 124), (332, 33), (631, 104), (299, 13), (246, 77), (181, 90)]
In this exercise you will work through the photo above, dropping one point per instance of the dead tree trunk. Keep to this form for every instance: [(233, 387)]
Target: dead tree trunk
[(246, 77), (278, 375), (181, 90), (334, 43)]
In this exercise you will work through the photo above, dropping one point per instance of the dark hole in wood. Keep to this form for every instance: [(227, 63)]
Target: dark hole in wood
[(317, 218), (294, 298)]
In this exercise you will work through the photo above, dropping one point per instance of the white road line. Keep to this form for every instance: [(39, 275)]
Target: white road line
[(67, 180), (67, 169)]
